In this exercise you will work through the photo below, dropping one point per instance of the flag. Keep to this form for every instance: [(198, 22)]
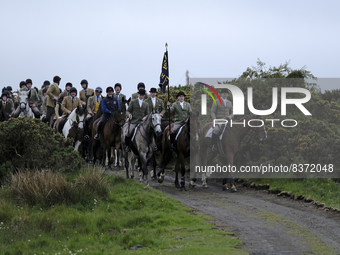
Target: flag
[(164, 78)]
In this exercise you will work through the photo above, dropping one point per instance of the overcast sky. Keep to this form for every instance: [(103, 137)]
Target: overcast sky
[(110, 41)]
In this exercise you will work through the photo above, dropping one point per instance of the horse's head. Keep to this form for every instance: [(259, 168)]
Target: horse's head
[(124, 103), (23, 99), (119, 117), (258, 124), (156, 120), (79, 116)]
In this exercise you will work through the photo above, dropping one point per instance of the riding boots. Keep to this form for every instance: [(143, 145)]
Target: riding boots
[(173, 142), (214, 139)]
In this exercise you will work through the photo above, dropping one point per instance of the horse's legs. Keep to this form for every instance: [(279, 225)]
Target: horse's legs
[(144, 168), (76, 146), (182, 165), (109, 158), (154, 165), (176, 171)]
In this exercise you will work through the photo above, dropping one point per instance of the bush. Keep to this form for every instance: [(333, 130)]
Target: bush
[(31, 144)]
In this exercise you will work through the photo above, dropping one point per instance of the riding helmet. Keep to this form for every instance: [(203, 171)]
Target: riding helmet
[(109, 89), (99, 89), (118, 85), (46, 83), (22, 83), (68, 84), (4, 94), (9, 88), (181, 93), (29, 81), (141, 85), (84, 81), (73, 89)]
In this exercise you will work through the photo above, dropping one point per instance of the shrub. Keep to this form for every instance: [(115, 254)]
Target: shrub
[(31, 144)]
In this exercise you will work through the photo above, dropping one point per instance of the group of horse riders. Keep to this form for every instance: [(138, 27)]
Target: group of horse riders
[(50, 101)]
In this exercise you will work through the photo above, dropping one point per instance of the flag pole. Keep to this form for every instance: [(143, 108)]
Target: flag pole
[(166, 47)]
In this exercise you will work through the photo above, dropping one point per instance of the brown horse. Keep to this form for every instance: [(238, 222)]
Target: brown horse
[(109, 137), (74, 126), (230, 144), (187, 139)]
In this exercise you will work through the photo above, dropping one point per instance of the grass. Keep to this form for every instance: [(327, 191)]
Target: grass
[(126, 216), (325, 191)]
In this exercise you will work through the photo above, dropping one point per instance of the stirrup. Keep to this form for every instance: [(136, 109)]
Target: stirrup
[(86, 137), (127, 149)]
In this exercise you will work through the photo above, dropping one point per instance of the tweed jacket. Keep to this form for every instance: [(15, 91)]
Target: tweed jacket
[(180, 114), (158, 106), (220, 111), (137, 112), (83, 97), (44, 106), (64, 94), (67, 105), (92, 102), (135, 96), (53, 91), (8, 108), (120, 98), (33, 99)]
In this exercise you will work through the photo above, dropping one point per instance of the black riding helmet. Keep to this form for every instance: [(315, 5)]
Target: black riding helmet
[(73, 89), (141, 84), (108, 89)]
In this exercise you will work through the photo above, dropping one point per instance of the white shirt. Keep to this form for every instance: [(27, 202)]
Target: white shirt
[(181, 103), (224, 101), (153, 99), (140, 102)]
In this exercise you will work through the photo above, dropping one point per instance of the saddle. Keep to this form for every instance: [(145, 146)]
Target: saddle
[(210, 132), (178, 131)]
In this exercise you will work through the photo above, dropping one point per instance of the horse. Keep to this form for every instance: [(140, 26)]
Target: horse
[(141, 144), (110, 136), (74, 126), (187, 139), (230, 145), (25, 109)]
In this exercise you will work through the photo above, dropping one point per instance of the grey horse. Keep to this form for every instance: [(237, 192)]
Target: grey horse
[(141, 144)]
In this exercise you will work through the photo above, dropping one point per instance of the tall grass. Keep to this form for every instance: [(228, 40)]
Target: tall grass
[(47, 188)]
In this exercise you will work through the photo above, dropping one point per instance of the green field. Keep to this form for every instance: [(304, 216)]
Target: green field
[(106, 215)]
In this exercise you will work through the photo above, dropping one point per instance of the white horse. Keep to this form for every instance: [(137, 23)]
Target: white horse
[(25, 109), (74, 126)]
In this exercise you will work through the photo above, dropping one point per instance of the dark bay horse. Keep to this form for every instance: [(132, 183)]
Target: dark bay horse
[(74, 126), (110, 136), (187, 139), (230, 144), (141, 145)]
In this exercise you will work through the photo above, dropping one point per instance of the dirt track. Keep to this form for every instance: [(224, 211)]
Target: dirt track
[(266, 223)]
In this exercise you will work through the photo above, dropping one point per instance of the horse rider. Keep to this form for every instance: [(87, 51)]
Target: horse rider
[(140, 85), (155, 103), (94, 103), (69, 103), (182, 112), (137, 112), (117, 94), (66, 92), (109, 105), (86, 92), (17, 111), (45, 85), (43, 106), (52, 97), (32, 98), (7, 105), (224, 111)]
